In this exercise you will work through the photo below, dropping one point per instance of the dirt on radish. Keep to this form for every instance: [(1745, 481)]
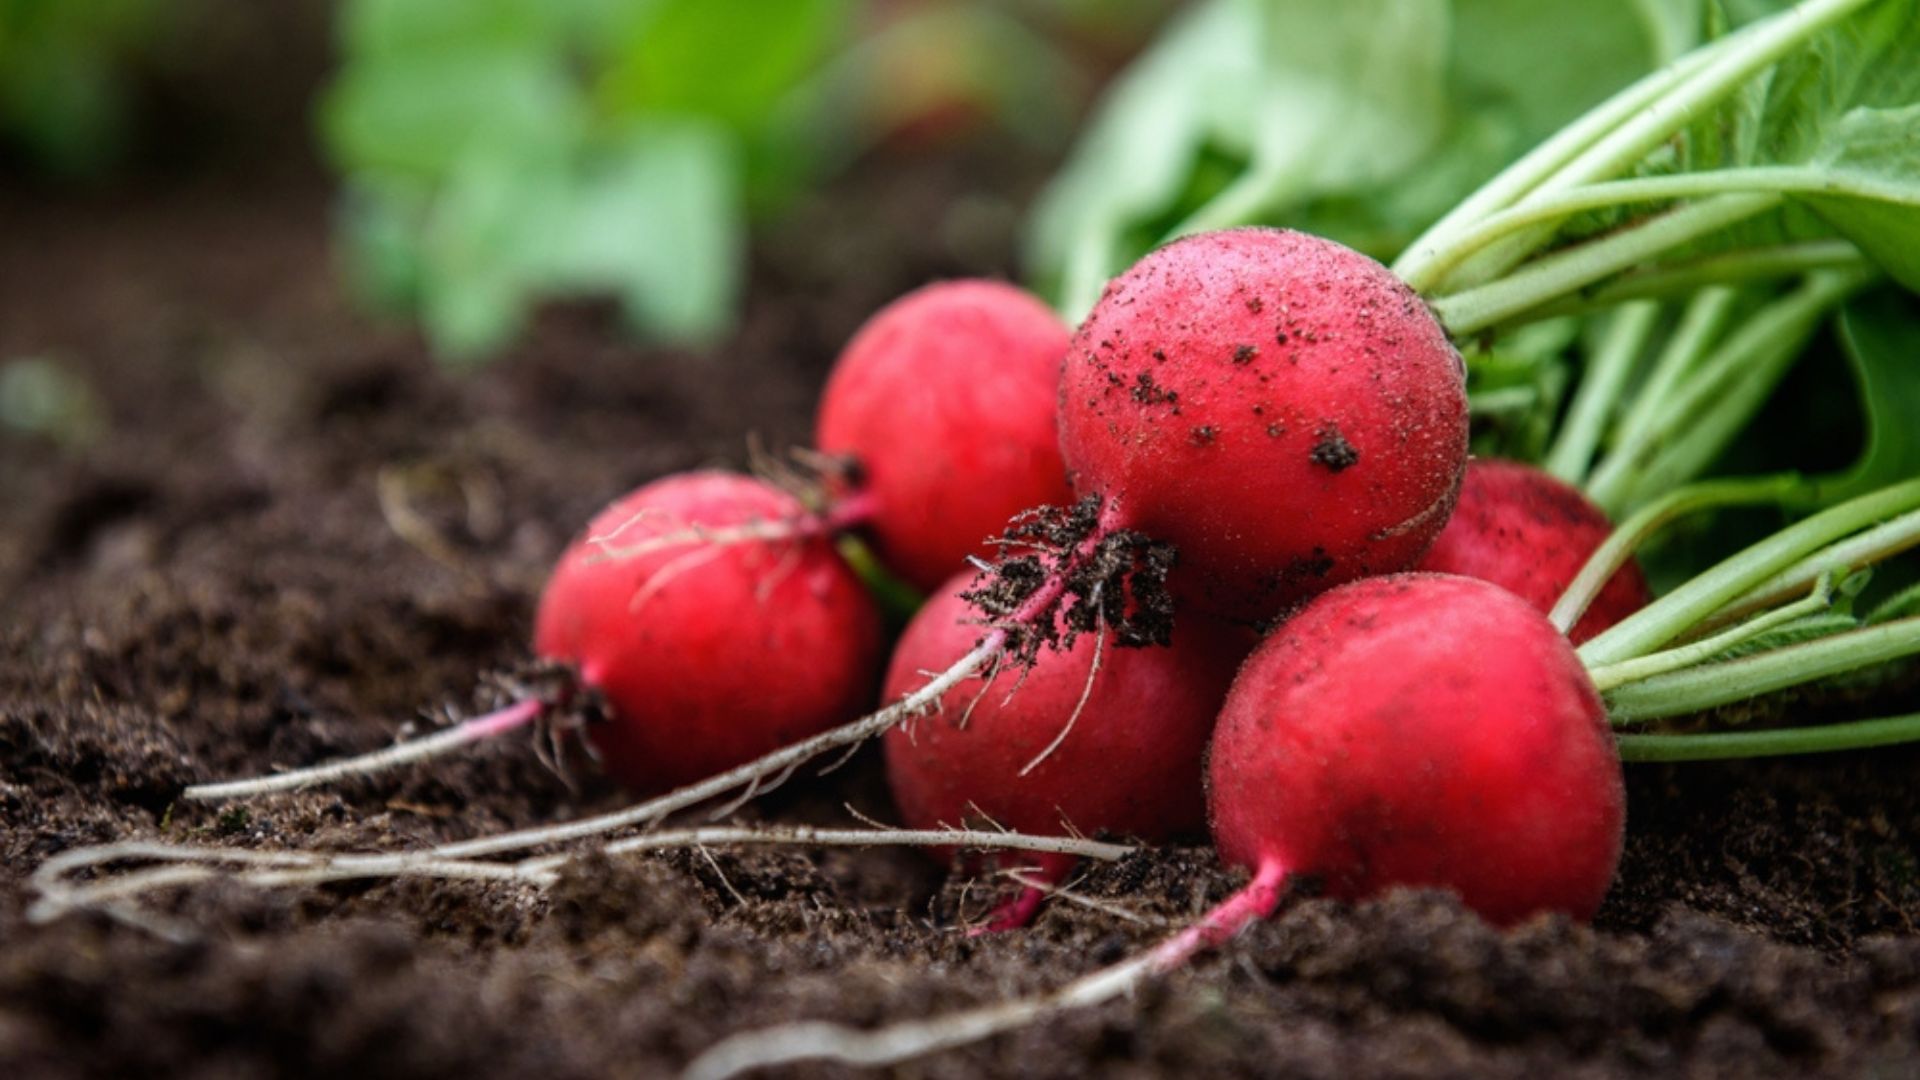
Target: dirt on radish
[(250, 570)]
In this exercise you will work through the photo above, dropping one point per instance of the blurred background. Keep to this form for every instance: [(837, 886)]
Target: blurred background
[(481, 158)]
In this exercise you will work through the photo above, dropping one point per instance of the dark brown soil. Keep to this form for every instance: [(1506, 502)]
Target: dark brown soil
[(215, 586)]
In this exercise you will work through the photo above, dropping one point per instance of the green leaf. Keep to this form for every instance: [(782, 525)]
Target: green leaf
[(1512, 55), (1875, 153), (380, 226), (1792, 633), (1313, 98), (408, 29), (421, 115), (726, 60), (484, 249), (649, 218), (1822, 140), (1880, 333), (656, 223), (1141, 146)]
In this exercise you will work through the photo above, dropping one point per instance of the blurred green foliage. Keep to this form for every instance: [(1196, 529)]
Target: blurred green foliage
[(1362, 121), (63, 72), (500, 152)]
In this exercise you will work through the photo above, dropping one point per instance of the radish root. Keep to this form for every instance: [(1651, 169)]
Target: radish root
[(186, 864), (498, 722), (820, 1041)]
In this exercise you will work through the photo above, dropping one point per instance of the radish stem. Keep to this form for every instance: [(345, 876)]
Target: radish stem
[(1554, 276), (1686, 606), (1712, 685), (1650, 519), (1820, 739), (1668, 660), (1613, 363)]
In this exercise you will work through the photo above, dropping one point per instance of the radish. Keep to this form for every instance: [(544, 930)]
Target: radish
[(1281, 409), (1530, 532), (1421, 729), (1090, 738), (707, 655), (944, 403), (670, 593)]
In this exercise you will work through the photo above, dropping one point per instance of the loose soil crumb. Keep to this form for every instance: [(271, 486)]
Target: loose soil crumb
[(223, 584)]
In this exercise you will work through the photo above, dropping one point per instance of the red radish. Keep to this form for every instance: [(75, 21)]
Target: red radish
[(946, 401), (1025, 751), (1421, 729), (1530, 532), (1414, 729), (1281, 409), (709, 655)]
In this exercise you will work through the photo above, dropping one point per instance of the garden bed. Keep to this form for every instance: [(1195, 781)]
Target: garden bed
[(293, 532)]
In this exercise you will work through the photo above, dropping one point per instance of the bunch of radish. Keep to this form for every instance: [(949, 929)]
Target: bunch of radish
[(1246, 419), (1253, 432)]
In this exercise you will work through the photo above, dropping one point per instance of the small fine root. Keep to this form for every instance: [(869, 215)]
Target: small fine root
[(753, 773), (186, 864), (1093, 672), (1022, 877), (893, 1043), (498, 722), (721, 874)]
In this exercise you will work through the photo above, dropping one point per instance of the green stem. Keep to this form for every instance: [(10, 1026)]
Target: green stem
[(1673, 614), (1772, 40), (1688, 277), (1564, 272), (1613, 362), (1705, 316), (1824, 738), (1621, 146), (1516, 180), (1755, 180), (1715, 402), (1854, 553), (1710, 686), (1627, 537), (1669, 660)]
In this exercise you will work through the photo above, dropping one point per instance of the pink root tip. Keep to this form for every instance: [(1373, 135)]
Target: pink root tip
[(1015, 914), (1048, 871), (501, 721)]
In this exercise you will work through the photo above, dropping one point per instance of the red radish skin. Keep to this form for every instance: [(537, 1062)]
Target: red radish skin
[(947, 401), (1530, 532), (708, 655), (1131, 763), (1282, 409), (1421, 729)]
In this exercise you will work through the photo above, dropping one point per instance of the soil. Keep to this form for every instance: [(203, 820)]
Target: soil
[(291, 536)]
